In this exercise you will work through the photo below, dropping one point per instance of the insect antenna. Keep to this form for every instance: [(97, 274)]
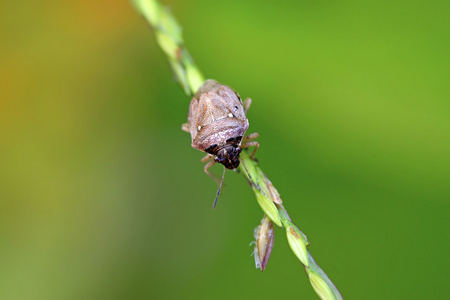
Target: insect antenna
[(220, 187)]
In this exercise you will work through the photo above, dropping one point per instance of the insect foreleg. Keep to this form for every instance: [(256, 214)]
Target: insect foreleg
[(248, 142), (210, 163)]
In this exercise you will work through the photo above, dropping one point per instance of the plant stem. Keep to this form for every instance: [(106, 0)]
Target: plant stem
[(169, 38)]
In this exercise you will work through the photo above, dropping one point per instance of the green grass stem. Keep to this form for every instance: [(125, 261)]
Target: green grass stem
[(170, 40)]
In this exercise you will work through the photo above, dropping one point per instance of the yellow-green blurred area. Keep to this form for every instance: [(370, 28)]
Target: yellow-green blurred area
[(102, 196)]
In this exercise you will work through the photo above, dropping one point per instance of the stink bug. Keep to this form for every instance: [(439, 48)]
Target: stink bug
[(217, 123)]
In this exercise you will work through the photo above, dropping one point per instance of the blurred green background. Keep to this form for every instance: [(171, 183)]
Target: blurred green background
[(102, 196)]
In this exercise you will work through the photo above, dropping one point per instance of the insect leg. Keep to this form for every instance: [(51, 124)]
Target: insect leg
[(247, 104), (209, 164), (207, 158), (251, 136), (251, 144), (247, 143), (185, 127)]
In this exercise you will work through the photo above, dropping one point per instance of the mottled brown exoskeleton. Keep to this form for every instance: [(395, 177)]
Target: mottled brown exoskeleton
[(217, 124)]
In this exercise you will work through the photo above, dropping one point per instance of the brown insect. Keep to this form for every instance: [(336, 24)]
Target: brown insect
[(217, 123)]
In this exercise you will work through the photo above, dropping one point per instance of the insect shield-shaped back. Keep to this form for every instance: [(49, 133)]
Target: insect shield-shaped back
[(217, 122)]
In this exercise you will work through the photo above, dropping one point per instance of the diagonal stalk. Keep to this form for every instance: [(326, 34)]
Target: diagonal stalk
[(169, 38)]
